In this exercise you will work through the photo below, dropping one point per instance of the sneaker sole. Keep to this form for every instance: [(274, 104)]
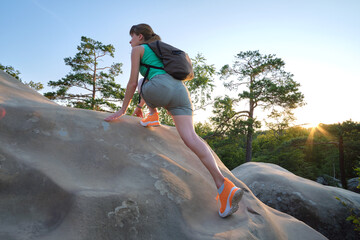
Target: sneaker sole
[(234, 203), (150, 124)]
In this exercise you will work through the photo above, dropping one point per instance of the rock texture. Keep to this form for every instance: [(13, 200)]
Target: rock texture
[(306, 200), (67, 174)]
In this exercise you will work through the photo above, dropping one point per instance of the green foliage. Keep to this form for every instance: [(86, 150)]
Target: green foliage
[(225, 119), (354, 214), (287, 151), (93, 88), (203, 129), (354, 219), (279, 121), (230, 149), (310, 153), (349, 133), (265, 84), (201, 87), (165, 117), (268, 84), (36, 86), (11, 71), (15, 73)]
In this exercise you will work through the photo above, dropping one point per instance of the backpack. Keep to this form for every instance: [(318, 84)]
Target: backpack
[(176, 62)]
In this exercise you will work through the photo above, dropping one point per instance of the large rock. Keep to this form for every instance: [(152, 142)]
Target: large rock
[(353, 184), (67, 174), (306, 200), (329, 181)]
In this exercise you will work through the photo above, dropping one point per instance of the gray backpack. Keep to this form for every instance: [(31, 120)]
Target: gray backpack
[(176, 62)]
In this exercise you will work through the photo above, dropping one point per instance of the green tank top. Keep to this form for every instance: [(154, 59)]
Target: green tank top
[(150, 58)]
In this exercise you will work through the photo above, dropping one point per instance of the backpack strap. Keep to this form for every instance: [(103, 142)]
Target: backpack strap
[(151, 66), (146, 75)]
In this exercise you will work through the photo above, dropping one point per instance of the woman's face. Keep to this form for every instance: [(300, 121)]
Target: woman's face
[(136, 40)]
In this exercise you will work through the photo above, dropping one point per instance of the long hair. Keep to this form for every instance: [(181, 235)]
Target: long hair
[(146, 31)]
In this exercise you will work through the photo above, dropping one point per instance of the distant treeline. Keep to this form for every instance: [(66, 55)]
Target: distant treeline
[(332, 149)]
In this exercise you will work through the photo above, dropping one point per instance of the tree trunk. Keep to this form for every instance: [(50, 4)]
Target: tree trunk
[(342, 162), (94, 86), (93, 94), (249, 145), (250, 131)]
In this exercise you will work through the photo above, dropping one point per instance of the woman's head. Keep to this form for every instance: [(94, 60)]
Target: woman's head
[(146, 31)]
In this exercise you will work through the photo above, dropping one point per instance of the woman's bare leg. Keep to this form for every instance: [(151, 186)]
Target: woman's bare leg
[(185, 127)]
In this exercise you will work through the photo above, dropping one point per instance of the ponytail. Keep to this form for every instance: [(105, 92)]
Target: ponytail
[(146, 31)]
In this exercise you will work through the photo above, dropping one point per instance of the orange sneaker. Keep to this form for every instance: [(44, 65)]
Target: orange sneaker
[(150, 120), (230, 196)]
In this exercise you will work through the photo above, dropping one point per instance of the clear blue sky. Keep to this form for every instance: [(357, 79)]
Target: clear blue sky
[(319, 40)]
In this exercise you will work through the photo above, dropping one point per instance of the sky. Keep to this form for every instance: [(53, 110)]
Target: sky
[(319, 41)]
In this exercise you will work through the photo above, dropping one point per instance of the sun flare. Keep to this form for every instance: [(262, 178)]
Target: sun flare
[(316, 128), (312, 125)]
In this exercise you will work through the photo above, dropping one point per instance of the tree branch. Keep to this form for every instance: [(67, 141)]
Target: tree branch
[(102, 68), (203, 106), (219, 126), (211, 135), (242, 112), (81, 86), (96, 57)]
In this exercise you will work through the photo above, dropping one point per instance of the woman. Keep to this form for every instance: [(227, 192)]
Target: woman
[(162, 90)]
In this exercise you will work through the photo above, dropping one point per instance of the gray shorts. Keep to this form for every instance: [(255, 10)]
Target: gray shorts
[(165, 91)]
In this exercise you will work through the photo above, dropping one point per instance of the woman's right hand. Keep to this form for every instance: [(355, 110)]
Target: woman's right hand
[(115, 116)]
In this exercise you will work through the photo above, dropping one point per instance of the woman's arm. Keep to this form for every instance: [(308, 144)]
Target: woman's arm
[(136, 54), (134, 76)]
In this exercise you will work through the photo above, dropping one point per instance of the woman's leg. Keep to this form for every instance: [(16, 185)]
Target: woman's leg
[(185, 127)]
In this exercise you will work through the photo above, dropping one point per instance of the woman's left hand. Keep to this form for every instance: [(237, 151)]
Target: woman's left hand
[(115, 116), (138, 112)]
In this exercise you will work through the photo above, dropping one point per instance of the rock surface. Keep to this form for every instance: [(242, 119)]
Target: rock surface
[(67, 174), (306, 200)]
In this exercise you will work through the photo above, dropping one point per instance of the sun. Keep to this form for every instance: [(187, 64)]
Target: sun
[(312, 125)]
